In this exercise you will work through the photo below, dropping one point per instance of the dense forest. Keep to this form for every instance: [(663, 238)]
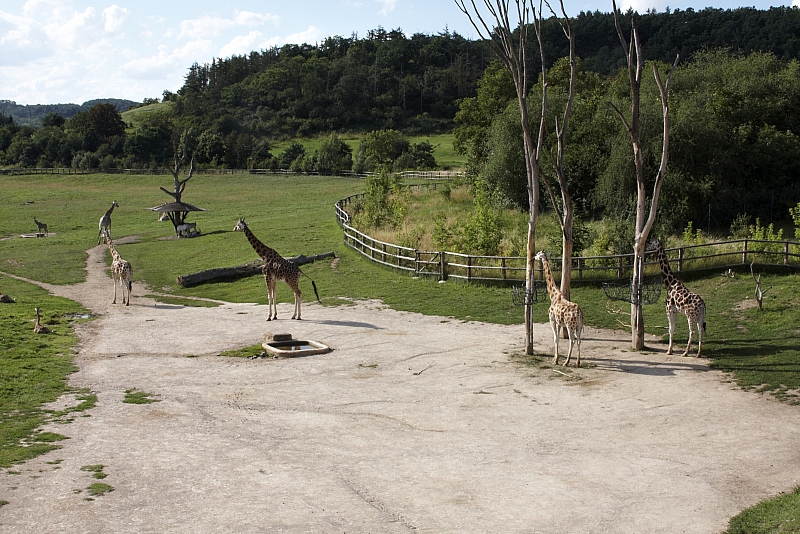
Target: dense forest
[(735, 113), (32, 114)]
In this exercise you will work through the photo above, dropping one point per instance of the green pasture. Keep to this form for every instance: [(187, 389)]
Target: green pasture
[(443, 151), (294, 215), (33, 370)]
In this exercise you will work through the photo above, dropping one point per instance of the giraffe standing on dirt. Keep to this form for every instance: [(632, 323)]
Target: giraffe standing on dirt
[(121, 271), (680, 300), (563, 313), (276, 268), (105, 223)]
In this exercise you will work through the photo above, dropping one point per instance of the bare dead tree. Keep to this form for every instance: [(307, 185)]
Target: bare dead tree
[(179, 217), (759, 293), (564, 210), (644, 219), (513, 56)]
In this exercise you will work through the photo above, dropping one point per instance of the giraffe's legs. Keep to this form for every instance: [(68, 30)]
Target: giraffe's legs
[(270, 295), (273, 301), (571, 343), (114, 280), (691, 335), (701, 319), (672, 315), (297, 301), (556, 329)]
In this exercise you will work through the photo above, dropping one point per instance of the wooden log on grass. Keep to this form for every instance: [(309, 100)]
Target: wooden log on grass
[(242, 271)]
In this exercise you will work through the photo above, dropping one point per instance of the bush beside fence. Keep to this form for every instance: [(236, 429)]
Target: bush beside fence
[(511, 269)]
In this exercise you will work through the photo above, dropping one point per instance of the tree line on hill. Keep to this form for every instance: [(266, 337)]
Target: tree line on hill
[(32, 114), (734, 106)]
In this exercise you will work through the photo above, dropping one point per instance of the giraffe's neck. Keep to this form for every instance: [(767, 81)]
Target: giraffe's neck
[(108, 213), (552, 289), (114, 254), (261, 249), (666, 273)]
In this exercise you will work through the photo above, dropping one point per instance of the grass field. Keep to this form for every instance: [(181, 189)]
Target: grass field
[(443, 151), (33, 369), (295, 215)]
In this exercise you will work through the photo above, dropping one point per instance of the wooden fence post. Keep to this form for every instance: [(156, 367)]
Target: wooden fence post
[(416, 262), (442, 268), (680, 260), (469, 268), (744, 252), (619, 267), (786, 253), (503, 267)]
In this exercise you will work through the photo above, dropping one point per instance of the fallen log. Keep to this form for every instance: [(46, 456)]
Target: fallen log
[(242, 271)]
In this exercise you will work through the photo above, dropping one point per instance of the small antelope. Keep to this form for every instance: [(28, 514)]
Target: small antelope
[(41, 227)]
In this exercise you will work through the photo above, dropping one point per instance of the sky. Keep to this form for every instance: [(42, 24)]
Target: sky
[(71, 51)]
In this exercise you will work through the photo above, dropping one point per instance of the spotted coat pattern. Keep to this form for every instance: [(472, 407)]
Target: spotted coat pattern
[(563, 313), (680, 300)]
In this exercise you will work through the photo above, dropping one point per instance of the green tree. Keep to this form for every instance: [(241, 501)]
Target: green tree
[(383, 147), (334, 155)]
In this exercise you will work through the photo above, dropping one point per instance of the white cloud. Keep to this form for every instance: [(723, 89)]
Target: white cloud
[(167, 61), (208, 26), (388, 5), (248, 18), (242, 44), (115, 17)]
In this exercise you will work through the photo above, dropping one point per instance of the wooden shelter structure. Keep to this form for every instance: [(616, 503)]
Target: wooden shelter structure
[(176, 211)]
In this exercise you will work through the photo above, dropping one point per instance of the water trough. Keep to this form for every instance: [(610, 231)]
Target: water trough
[(284, 345)]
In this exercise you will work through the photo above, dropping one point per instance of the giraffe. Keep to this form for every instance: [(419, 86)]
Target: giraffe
[(276, 268), (41, 227), (105, 223), (680, 300), (121, 271), (38, 327), (563, 313)]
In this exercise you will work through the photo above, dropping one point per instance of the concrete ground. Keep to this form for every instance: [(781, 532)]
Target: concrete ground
[(411, 424)]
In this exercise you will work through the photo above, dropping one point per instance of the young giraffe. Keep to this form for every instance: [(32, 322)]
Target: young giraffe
[(563, 313), (41, 227), (276, 268), (680, 299), (105, 223), (121, 271)]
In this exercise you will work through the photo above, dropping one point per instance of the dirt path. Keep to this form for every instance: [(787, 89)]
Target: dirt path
[(412, 423)]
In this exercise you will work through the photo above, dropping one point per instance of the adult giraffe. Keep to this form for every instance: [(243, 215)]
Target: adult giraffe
[(680, 299), (276, 268), (105, 223), (563, 313)]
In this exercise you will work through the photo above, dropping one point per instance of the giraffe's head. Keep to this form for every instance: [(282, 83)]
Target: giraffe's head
[(114, 204), (240, 226), (652, 244), (541, 256)]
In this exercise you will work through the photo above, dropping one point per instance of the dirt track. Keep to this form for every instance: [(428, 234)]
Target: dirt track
[(412, 423)]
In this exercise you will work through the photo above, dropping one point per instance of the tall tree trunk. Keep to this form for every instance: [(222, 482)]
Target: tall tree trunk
[(644, 220)]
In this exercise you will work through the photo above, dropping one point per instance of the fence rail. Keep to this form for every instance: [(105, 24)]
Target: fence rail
[(511, 269), (407, 175)]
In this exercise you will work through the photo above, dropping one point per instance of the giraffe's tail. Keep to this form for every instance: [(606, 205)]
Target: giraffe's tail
[(314, 285), (704, 326)]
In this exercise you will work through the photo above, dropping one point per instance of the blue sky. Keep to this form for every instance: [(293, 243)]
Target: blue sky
[(71, 51)]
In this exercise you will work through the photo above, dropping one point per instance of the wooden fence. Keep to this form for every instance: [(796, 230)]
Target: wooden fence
[(511, 269), (406, 175)]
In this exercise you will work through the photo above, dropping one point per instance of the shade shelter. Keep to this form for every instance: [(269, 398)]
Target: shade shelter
[(176, 211)]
